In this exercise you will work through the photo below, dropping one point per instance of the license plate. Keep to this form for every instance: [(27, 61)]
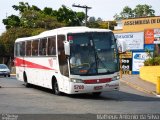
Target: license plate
[(98, 87)]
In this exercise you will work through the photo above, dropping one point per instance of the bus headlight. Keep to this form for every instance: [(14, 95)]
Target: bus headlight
[(76, 80), (116, 78)]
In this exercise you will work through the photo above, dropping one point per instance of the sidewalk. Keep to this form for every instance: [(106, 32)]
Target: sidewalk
[(136, 82)]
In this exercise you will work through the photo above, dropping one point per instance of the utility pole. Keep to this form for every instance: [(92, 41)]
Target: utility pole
[(86, 10)]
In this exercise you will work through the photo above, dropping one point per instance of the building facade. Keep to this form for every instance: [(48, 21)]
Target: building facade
[(142, 36)]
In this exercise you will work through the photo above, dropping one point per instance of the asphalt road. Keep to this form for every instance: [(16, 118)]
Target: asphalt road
[(15, 98)]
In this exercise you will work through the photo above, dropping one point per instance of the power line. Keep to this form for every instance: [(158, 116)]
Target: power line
[(86, 10)]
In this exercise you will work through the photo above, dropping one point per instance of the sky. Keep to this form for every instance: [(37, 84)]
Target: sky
[(104, 9)]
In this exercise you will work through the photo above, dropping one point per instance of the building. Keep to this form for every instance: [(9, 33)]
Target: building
[(142, 36)]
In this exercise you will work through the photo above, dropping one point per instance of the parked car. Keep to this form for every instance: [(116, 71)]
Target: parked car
[(4, 70)]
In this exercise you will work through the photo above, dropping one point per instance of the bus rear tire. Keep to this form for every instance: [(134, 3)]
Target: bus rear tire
[(55, 87), (26, 84)]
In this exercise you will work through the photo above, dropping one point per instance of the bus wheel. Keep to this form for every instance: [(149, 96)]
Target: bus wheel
[(26, 84), (55, 87), (96, 94)]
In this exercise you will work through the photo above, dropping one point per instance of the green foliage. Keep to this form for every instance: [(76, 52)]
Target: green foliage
[(8, 38), (69, 17), (157, 60), (48, 11), (143, 11), (152, 61), (98, 23), (34, 17), (149, 62), (127, 12), (139, 11), (93, 23), (11, 21), (22, 7)]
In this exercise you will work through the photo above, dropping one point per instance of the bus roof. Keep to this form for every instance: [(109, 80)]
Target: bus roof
[(63, 30)]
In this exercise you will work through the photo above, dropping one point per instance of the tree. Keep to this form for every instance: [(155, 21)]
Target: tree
[(48, 11), (139, 11), (33, 17), (127, 12), (70, 17), (92, 23), (99, 19), (21, 7), (12, 21), (92, 19), (36, 19), (99, 23), (144, 11), (8, 38), (117, 17)]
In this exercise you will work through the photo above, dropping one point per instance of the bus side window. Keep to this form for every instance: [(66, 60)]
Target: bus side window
[(22, 48), (35, 47), (43, 46), (28, 48), (51, 46), (17, 49)]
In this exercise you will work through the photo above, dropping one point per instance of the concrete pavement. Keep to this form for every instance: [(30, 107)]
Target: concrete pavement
[(16, 98)]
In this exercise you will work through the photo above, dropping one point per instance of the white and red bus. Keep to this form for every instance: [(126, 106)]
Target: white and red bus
[(47, 60)]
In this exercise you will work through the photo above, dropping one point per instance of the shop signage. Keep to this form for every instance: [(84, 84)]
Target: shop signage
[(138, 60), (134, 41), (142, 21), (149, 36), (126, 65), (149, 47), (152, 36), (126, 55), (156, 36)]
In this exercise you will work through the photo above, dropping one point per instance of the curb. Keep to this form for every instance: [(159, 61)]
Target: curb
[(158, 95), (138, 87), (12, 74)]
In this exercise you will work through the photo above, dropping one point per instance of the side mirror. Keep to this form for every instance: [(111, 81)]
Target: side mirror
[(121, 45), (67, 47)]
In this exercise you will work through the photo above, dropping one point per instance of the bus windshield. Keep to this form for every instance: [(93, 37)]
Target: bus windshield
[(93, 53)]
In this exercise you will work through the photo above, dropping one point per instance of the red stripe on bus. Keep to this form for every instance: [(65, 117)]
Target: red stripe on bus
[(95, 81), (23, 63)]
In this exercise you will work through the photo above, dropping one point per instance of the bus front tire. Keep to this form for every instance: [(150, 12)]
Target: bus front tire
[(55, 88)]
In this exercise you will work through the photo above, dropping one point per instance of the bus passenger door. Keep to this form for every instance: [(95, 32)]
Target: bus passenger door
[(63, 64)]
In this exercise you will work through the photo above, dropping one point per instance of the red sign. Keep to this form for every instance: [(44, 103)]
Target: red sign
[(149, 36)]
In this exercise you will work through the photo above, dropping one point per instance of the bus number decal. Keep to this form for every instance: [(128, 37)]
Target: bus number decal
[(79, 87)]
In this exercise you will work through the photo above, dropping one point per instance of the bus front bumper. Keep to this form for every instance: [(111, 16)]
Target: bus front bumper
[(77, 88)]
